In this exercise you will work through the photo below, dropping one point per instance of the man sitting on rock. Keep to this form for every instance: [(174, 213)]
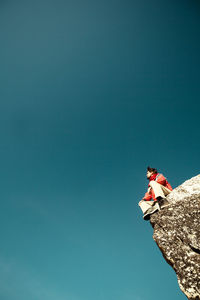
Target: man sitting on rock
[(158, 188)]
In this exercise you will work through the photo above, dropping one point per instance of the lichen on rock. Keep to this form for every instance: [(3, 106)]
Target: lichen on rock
[(177, 234)]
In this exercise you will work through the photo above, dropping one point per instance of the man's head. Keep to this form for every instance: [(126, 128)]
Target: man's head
[(151, 171)]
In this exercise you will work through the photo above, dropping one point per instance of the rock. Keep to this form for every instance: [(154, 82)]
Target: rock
[(177, 234)]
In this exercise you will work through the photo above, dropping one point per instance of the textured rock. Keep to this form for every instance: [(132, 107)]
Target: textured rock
[(177, 234)]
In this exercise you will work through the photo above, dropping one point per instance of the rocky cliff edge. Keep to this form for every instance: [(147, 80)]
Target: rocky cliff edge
[(177, 234)]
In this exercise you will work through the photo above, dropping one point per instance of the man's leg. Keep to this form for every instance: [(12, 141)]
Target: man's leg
[(159, 190), (148, 208), (145, 205)]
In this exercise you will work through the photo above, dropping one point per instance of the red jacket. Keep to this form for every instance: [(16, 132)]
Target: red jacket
[(159, 178)]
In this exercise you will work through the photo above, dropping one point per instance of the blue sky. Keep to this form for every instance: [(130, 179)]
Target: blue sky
[(91, 93)]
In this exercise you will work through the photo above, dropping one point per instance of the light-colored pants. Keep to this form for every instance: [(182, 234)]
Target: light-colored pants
[(145, 205), (159, 190)]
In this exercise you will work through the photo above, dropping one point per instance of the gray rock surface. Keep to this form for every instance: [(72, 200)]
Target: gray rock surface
[(177, 234)]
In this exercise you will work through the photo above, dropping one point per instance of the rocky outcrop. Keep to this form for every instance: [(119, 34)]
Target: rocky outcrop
[(177, 234)]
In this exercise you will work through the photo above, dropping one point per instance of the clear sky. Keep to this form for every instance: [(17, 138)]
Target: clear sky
[(91, 93)]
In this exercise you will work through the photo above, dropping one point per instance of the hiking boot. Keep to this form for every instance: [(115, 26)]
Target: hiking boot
[(149, 212), (162, 202)]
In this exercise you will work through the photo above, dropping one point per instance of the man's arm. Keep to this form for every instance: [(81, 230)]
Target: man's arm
[(147, 196), (161, 179)]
